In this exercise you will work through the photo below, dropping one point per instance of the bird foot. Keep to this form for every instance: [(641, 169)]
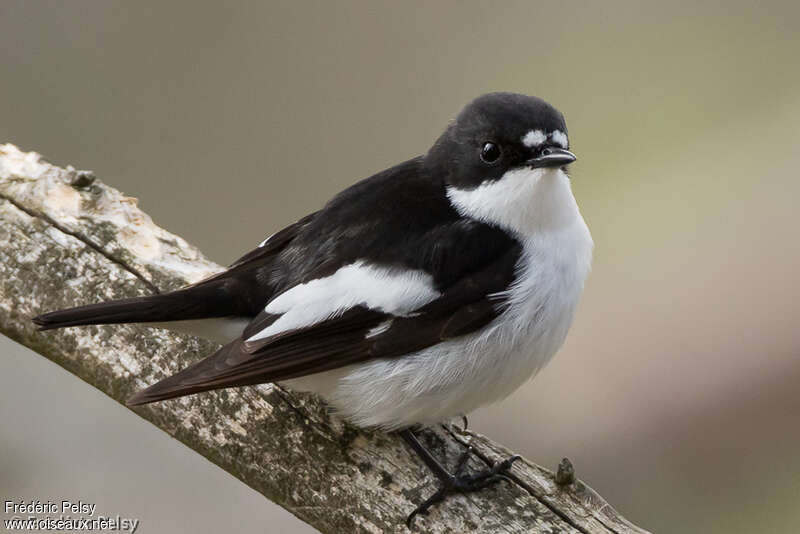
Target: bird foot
[(463, 483)]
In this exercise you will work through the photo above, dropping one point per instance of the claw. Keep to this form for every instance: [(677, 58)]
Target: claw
[(426, 505), (462, 430), (458, 483), (455, 482)]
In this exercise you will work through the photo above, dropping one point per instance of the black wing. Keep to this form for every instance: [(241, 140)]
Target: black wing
[(466, 305)]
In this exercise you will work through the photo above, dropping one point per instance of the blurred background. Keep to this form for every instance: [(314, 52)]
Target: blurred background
[(676, 395)]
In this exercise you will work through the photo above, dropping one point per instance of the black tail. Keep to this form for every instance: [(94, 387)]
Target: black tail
[(214, 299)]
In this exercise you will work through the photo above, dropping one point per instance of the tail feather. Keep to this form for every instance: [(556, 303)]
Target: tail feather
[(198, 377), (194, 302)]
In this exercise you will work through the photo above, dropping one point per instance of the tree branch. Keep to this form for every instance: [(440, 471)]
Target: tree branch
[(67, 239)]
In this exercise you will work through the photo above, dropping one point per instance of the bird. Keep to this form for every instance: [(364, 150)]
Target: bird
[(414, 296)]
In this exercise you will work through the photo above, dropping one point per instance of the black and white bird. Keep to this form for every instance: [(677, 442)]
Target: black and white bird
[(416, 295)]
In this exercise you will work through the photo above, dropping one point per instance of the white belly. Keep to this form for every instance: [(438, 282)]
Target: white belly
[(457, 376)]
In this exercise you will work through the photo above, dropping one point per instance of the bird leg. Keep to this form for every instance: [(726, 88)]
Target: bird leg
[(455, 482)]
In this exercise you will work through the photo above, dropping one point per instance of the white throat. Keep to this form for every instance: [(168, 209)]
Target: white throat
[(525, 201)]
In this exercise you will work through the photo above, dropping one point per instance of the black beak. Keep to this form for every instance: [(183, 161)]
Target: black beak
[(552, 157)]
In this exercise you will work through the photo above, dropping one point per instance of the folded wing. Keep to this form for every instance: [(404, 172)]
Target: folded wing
[(344, 319)]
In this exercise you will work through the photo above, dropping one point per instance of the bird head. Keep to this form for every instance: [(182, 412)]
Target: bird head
[(503, 161), (497, 133)]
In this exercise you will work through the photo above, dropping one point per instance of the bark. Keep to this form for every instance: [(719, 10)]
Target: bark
[(68, 239)]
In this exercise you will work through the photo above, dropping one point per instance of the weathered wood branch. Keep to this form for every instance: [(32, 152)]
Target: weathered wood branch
[(68, 239)]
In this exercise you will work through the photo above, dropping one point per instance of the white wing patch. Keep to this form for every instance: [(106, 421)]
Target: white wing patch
[(534, 138), (394, 291)]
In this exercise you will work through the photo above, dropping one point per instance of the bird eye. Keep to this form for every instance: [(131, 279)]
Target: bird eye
[(490, 152)]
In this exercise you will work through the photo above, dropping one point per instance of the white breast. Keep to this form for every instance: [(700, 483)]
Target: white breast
[(457, 376)]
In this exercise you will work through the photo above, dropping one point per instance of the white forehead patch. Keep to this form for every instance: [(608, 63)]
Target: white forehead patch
[(560, 138), (534, 138), (538, 137)]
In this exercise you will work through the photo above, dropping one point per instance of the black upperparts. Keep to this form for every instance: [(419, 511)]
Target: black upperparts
[(400, 217)]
